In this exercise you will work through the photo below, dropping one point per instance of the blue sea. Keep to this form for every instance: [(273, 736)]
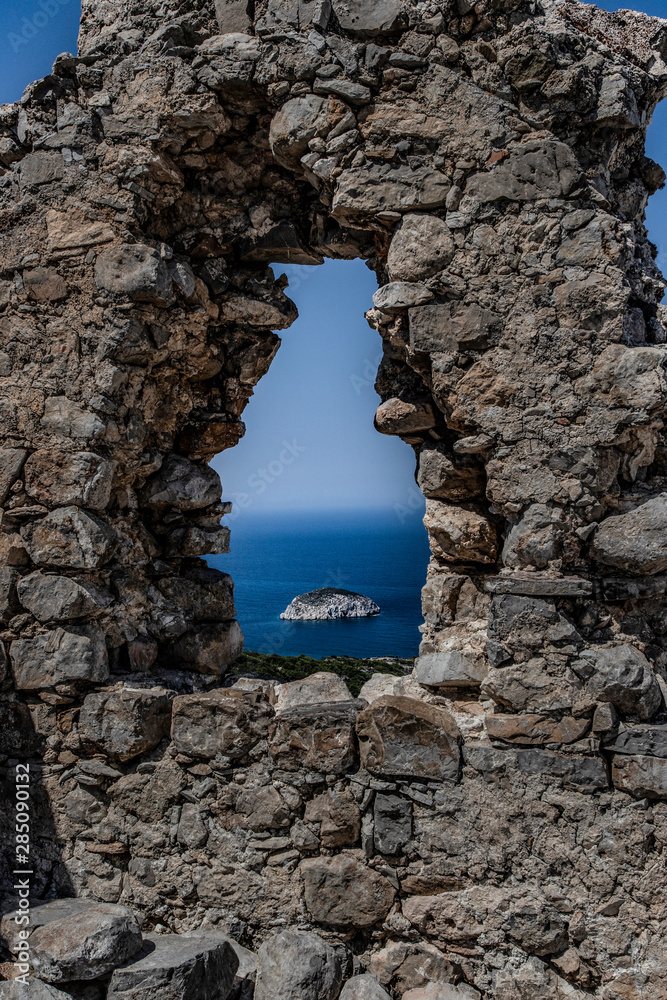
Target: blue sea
[(274, 557)]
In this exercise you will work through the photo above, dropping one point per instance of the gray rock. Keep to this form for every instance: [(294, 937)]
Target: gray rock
[(317, 737), (343, 892), (319, 688), (452, 327), (328, 603), (85, 945), (645, 777), (70, 538), (41, 168), (422, 245), (540, 169), (59, 479), (531, 584), (127, 721), (635, 542), (355, 93), (460, 535), (61, 655), (297, 965), (406, 737), (400, 416), (298, 121), (457, 663), (225, 722), (363, 988), (232, 15), (11, 462), (442, 476), (181, 484), (8, 605), (65, 418), (137, 271), (367, 18), (392, 817), (40, 915), (31, 989), (55, 598), (625, 677), (399, 295), (385, 187), (209, 649), (648, 741), (177, 967)]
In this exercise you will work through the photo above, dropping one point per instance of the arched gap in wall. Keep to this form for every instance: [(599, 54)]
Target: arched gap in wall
[(321, 499)]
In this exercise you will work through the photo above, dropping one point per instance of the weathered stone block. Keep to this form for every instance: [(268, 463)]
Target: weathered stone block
[(41, 168), (460, 661), (422, 245), (625, 677), (635, 542), (59, 479), (343, 892), (400, 295), (8, 604), (126, 722), (531, 687), (44, 284), (399, 416), (441, 476), (210, 649), (204, 594), (338, 816), (297, 965), (55, 598), (76, 653), (177, 967), (539, 169), (384, 187), (642, 740), (30, 989), (368, 18), (363, 988), (461, 535), (67, 419), (137, 271), (317, 737), (232, 15), (70, 538), (392, 816), (320, 688), (149, 796), (535, 730), (407, 737), (643, 776), (183, 485), (225, 722), (452, 326), (298, 121), (11, 462)]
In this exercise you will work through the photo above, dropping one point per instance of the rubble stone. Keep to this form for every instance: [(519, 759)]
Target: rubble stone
[(297, 965), (175, 967), (342, 892), (403, 736)]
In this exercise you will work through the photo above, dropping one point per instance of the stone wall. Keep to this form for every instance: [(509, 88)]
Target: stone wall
[(501, 821)]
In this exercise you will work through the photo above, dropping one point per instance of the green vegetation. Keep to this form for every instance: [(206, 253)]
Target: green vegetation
[(294, 668)]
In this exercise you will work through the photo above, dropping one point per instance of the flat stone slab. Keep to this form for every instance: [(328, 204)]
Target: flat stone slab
[(33, 989), (643, 740), (643, 776), (177, 967), (530, 585), (41, 914)]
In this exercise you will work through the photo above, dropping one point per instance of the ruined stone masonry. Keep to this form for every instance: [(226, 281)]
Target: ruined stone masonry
[(494, 825)]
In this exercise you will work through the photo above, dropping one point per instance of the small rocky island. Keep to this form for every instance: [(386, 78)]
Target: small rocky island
[(327, 603)]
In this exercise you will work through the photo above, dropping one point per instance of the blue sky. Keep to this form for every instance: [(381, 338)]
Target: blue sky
[(310, 440)]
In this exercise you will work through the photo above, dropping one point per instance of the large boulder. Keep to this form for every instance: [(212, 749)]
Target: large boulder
[(61, 479), (177, 967), (343, 892), (297, 965), (408, 737), (69, 537), (127, 721), (71, 941), (225, 721), (317, 689), (136, 271), (635, 542), (77, 653), (316, 737), (625, 677)]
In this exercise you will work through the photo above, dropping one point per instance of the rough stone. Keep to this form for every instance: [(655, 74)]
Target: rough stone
[(183, 485), (449, 327), (537, 169), (384, 187), (210, 649), (126, 722), (342, 892), (406, 737), (30, 989), (61, 479), (11, 463), (70, 538), (364, 987), (634, 542), (458, 534), (297, 965), (320, 737), (400, 295), (392, 823), (441, 476), (625, 677), (421, 246), (225, 722), (137, 271), (535, 730), (177, 967), (399, 416), (316, 689), (77, 653), (338, 816), (443, 991), (55, 598), (365, 19), (642, 776), (642, 740)]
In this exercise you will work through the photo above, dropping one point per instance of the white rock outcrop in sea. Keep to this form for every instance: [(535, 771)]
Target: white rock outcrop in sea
[(327, 603)]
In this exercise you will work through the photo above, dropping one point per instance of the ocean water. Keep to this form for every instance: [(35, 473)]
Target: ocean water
[(274, 557)]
